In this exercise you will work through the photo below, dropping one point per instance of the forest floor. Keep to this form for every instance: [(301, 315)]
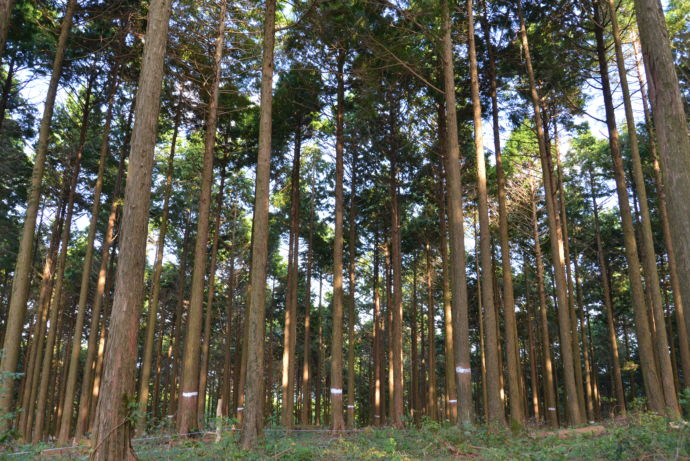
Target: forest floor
[(638, 437)]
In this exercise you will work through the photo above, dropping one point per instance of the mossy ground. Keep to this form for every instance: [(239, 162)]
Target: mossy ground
[(637, 437)]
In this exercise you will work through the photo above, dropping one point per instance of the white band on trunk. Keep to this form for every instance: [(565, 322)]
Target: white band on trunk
[(240, 408), (462, 370), (189, 394), (336, 391), (452, 401), (350, 406), (552, 409)]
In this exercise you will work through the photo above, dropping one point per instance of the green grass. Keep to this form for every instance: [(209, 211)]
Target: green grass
[(638, 437)]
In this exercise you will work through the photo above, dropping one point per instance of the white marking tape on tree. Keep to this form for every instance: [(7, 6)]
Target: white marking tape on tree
[(452, 401), (189, 394), (336, 391), (552, 409), (462, 370), (350, 406), (240, 408)]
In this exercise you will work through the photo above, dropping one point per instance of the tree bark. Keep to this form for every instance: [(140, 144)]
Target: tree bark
[(113, 431), (5, 17), (351, 315), (305, 415), (671, 130), (20, 283), (461, 338), (432, 405), (252, 421)]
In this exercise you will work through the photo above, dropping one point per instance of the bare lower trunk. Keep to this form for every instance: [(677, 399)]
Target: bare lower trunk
[(351, 315), (252, 420), (113, 428)]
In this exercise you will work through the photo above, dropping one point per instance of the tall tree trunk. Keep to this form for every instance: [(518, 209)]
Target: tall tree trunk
[(493, 361), (589, 381), (557, 251), (189, 388), (678, 302), (290, 328), (351, 315), (305, 415), (156, 279), (252, 421), (451, 391), (548, 373), (337, 340), (414, 349), (512, 353), (56, 301), (397, 303), (461, 335), (648, 254), (378, 339), (22, 271), (206, 345), (653, 386), (671, 130), (432, 406), (71, 382), (113, 429), (320, 355), (608, 304), (532, 347)]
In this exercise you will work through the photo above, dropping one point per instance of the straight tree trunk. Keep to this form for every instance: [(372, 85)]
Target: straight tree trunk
[(548, 373), (532, 351), (351, 316), (156, 279), (397, 302), (187, 419), (290, 329), (71, 382), (378, 339), (22, 271), (461, 336), (493, 361), (648, 254), (671, 130), (608, 304), (557, 250), (205, 347), (432, 405), (650, 374), (678, 302), (252, 420), (112, 428), (305, 415), (337, 341), (414, 350)]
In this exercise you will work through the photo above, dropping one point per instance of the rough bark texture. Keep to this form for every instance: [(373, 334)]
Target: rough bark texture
[(20, 282), (252, 420), (351, 315), (671, 129), (113, 431), (461, 338)]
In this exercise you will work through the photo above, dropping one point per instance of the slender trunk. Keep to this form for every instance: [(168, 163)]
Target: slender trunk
[(532, 351), (22, 271), (229, 378), (351, 315), (206, 345), (156, 279), (319, 368), (337, 340), (557, 250), (396, 304), (290, 328), (648, 253), (676, 286), (432, 406), (305, 416), (653, 387), (461, 336), (252, 421), (608, 304), (480, 310), (493, 361), (414, 352), (113, 431), (589, 381), (451, 392), (71, 382), (187, 419), (378, 339), (548, 373)]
